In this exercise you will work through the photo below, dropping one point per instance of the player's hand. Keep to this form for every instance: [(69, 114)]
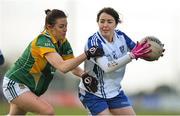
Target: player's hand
[(94, 52), (90, 82), (163, 52), (140, 50)]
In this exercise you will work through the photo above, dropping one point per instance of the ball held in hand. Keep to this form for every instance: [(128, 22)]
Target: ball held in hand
[(156, 46)]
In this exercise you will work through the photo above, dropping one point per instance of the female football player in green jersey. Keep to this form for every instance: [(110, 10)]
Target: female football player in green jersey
[(31, 74)]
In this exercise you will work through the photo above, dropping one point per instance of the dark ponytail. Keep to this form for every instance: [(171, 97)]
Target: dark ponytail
[(47, 11)]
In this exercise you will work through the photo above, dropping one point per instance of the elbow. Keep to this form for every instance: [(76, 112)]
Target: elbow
[(63, 70), (106, 69)]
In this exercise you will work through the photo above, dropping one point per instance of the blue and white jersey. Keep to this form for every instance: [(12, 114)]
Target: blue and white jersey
[(109, 82)]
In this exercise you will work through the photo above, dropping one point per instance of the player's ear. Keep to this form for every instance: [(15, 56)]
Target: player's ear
[(116, 25), (49, 26)]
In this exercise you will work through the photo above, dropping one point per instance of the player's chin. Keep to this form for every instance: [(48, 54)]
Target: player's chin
[(105, 33), (63, 36)]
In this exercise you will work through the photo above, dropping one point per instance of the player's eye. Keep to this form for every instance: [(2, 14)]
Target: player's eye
[(62, 26), (102, 21), (110, 21)]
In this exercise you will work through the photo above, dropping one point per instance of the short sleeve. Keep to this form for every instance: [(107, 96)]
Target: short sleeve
[(94, 41), (66, 50), (131, 44)]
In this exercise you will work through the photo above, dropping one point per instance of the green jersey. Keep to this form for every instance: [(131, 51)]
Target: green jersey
[(32, 68)]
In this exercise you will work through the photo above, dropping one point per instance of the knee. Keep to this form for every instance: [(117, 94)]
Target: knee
[(48, 111)]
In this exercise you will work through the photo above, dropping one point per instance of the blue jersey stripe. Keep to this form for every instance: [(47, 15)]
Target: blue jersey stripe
[(101, 37), (131, 44), (102, 81), (99, 74), (94, 41)]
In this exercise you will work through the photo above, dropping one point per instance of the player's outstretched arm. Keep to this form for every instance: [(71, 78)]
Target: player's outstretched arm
[(140, 50), (64, 66)]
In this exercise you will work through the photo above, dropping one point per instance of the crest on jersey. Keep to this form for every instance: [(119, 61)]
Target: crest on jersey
[(122, 49), (114, 55)]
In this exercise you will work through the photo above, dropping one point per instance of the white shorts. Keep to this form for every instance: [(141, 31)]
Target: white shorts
[(12, 89)]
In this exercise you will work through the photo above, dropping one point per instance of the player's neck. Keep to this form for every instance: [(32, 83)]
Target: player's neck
[(109, 39)]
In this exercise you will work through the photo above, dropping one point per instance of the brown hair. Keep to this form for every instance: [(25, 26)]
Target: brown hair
[(52, 15), (111, 12)]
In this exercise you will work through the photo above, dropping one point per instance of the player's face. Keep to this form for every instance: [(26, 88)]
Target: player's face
[(106, 25), (60, 28)]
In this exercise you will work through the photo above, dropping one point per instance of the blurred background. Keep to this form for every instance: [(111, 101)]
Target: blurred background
[(153, 87)]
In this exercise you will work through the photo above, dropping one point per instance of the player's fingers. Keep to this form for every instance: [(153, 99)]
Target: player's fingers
[(137, 43), (163, 50), (144, 42)]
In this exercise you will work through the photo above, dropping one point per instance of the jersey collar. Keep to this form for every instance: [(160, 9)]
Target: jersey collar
[(49, 34)]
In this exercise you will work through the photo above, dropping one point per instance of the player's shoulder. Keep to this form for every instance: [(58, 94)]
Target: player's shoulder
[(94, 40), (93, 37), (121, 35), (119, 32), (43, 40)]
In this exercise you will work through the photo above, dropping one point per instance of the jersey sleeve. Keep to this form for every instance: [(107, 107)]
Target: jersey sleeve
[(66, 50), (131, 44), (45, 45), (110, 66), (93, 41)]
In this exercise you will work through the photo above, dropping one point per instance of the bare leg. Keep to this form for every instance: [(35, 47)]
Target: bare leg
[(14, 109), (123, 111), (28, 101), (105, 112)]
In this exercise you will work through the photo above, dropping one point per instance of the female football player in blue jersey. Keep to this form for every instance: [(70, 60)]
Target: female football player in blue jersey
[(1, 58), (31, 74), (109, 70)]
